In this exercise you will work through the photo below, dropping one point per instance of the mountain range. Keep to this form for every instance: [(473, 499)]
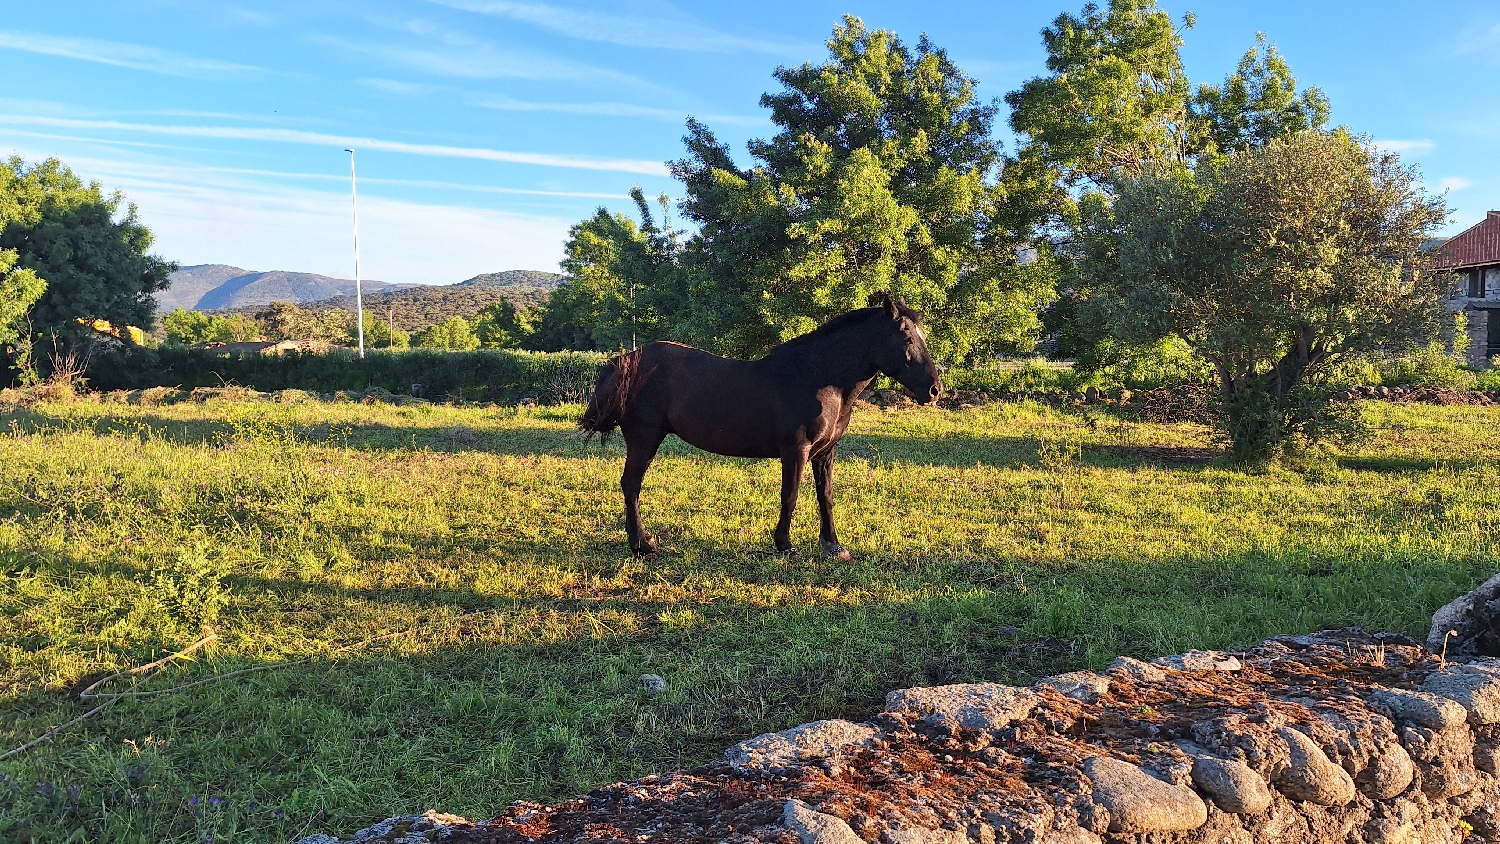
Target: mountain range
[(214, 286), (409, 307)]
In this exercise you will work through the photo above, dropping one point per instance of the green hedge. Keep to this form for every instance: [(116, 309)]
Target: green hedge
[(483, 375)]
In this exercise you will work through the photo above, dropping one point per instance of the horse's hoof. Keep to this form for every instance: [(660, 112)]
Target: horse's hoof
[(836, 551), (644, 548), (789, 551)]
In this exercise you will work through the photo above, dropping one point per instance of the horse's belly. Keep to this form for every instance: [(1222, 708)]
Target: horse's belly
[(722, 440)]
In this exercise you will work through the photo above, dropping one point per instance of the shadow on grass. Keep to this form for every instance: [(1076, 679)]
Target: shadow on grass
[(1409, 465), (1010, 452), (493, 698), (517, 438)]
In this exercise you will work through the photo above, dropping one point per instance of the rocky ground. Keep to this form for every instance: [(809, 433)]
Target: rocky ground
[(1341, 736)]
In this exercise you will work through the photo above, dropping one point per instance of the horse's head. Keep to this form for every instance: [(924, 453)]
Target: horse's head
[(901, 353)]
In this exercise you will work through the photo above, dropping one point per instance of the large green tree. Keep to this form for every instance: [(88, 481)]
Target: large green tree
[(881, 178), (621, 276), (1275, 263), (19, 290), (90, 247), (1115, 104)]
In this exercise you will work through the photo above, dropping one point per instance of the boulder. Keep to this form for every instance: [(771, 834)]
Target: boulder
[(814, 827), (799, 745), (973, 706), (1138, 802), (1310, 775)]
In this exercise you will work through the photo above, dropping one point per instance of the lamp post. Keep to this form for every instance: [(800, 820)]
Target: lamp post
[(359, 296)]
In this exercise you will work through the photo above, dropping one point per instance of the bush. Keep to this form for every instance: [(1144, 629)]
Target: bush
[(482, 375), (1034, 377), (1430, 366)]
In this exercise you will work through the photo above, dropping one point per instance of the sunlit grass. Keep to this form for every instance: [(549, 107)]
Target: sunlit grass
[(996, 543)]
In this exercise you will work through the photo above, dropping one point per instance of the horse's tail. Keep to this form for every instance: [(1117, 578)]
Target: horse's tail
[(612, 389)]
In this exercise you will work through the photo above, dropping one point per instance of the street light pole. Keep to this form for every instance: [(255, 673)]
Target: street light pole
[(359, 296)]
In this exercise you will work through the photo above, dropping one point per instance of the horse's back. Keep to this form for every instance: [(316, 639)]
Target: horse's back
[(715, 403)]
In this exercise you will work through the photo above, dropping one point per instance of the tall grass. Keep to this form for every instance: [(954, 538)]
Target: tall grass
[(997, 543)]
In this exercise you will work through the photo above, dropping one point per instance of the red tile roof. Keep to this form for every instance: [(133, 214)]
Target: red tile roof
[(1477, 246)]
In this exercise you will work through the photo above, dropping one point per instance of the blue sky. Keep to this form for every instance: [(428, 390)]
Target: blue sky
[(486, 127)]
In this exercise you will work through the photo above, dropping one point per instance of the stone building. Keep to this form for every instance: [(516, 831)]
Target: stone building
[(1474, 257)]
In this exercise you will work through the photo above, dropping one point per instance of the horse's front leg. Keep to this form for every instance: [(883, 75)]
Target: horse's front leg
[(640, 448), (828, 538), (792, 462)]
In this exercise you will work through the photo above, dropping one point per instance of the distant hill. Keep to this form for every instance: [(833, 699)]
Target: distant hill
[(415, 308), (189, 284), (515, 278), (219, 286)]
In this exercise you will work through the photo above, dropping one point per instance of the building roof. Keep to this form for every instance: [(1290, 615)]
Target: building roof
[(1477, 246)]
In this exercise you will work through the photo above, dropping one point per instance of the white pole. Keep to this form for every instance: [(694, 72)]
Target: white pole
[(359, 296)]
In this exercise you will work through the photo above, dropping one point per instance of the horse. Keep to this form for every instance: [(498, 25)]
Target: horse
[(793, 404)]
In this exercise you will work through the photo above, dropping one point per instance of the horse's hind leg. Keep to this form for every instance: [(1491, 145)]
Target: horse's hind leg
[(792, 463), (822, 466), (640, 449)]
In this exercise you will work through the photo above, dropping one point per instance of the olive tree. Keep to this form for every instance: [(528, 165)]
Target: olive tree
[(1275, 263)]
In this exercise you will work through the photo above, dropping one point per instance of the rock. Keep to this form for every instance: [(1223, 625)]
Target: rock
[(1071, 836), (653, 684), (1432, 711), (1475, 688), (1388, 774), (1139, 802), (814, 827), (925, 836), (1310, 775), (1084, 686), (1459, 615), (973, 706), (1199, 661), (1142, 671), (1091, 394), (1232, 785), (1487, 759), (800, 745)]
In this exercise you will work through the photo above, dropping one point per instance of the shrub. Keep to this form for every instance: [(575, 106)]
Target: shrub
[(485, 374), (1429, 366)]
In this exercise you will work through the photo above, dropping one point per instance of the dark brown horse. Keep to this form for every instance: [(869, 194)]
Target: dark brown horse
[(794, 404)]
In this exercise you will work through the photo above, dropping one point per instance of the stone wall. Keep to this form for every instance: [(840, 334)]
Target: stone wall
[(1341, 736)]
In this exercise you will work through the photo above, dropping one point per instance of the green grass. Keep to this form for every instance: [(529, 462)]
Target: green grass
[(997, 543)]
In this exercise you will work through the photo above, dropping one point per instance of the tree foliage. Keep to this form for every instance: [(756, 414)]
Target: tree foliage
[(454, 334), (288, 321), (1257, 104), (1115, 101), (19, 290), (1274, 263), (1115, 105), (503, 326), (881, 178), (90, 247), (621, 277), (191, 327)]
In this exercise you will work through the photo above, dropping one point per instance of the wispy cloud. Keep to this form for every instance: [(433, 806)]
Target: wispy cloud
[(393, 86), (206, 215), (293, 136), (504, 103), (1409, 147), (119, 54), (1481, 40), (1454, 183), (632, 31), (462, 57)]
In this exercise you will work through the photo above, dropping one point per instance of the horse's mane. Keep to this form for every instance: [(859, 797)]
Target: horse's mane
[(839, 323)]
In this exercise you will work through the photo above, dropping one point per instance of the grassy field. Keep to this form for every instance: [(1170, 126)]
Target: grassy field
[(1000, 543)]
